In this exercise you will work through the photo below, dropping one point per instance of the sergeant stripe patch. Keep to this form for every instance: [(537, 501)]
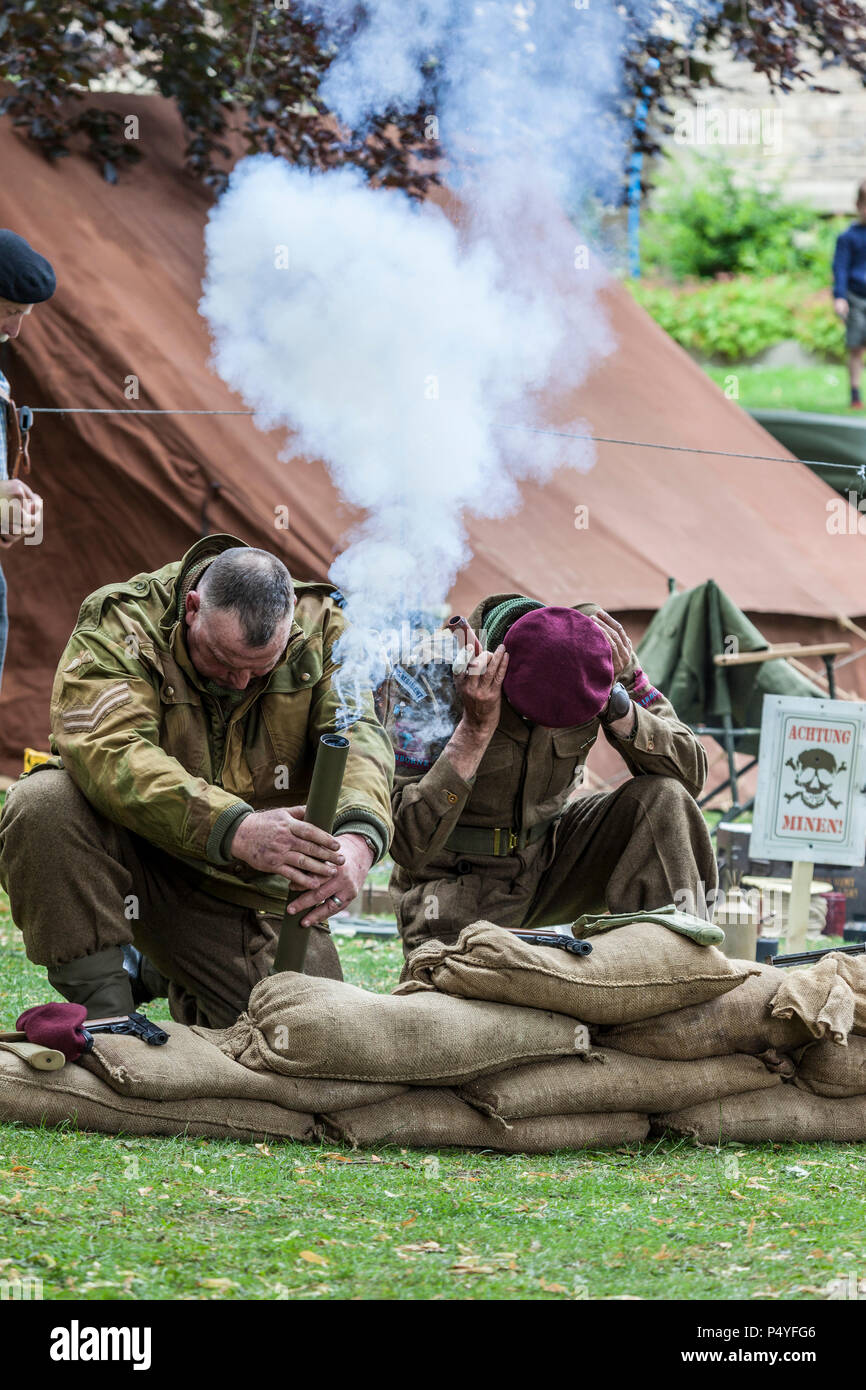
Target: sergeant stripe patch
[(86, 717)]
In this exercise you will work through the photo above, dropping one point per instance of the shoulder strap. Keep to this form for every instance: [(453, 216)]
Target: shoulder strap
[(17, 441)]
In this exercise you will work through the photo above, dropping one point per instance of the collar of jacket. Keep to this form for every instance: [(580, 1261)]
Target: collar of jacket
[(196, 559)]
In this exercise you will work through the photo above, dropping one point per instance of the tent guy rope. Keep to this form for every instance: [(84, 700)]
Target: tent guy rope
[(859, 469)]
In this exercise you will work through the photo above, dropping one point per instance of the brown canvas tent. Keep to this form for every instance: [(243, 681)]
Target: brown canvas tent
[(125, 493)]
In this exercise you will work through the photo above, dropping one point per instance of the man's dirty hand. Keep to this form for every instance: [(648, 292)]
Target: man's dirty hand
[(339, 890), (282, 842)]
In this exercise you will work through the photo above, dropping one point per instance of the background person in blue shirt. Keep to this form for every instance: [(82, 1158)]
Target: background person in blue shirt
[(26, 278), (849, 292)]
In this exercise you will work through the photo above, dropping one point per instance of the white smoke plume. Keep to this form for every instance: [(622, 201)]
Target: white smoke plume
[(393, 346)]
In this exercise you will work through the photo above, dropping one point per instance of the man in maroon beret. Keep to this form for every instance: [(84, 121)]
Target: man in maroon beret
[(490, 740)]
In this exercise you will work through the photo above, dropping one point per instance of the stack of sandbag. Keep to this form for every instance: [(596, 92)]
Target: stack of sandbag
[(433, 1041), (486, 1044), (700, 1044), (303, 1061), (641, 970), (583, 1100), (424, 1066), (813, 1022)]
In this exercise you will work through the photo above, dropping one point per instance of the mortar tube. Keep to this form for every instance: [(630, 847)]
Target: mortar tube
[(321, 809)]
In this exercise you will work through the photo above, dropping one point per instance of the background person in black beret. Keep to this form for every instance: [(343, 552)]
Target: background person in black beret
[(26, 278)]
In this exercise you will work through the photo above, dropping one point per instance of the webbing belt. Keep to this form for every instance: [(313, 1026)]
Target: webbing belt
[(498, 840)]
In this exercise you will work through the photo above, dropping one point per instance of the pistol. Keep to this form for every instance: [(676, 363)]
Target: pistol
[(565, 943), (136, 1024)]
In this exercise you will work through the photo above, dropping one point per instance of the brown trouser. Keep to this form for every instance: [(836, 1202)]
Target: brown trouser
[(78, 883), (643, 845)]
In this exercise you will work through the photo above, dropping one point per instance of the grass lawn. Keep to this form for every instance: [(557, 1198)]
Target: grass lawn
[(822, 389), (110, 1218)]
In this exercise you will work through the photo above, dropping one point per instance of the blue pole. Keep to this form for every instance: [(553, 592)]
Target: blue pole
[(634, 171)]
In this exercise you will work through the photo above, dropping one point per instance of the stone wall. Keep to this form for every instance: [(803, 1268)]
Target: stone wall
[(814, 142)]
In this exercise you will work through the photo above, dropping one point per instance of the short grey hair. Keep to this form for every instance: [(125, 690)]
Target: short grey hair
[(255, 585)]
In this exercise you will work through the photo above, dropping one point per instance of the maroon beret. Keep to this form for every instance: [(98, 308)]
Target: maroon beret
[(560, 667), (56, 1025)]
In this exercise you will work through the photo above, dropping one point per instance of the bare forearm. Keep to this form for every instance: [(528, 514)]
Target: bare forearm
[(466, 747)]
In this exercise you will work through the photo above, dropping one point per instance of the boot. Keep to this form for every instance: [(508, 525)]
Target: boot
[(145, 979), (99, 982)]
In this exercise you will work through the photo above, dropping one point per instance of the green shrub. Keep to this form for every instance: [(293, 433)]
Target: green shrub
[(736, 320), (722, 225), (819, 330), (732, 319)]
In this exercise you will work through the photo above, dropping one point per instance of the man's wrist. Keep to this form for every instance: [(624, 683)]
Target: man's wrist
[(625, 728), (474, 735), (223, 851), (365, 839), (466, 747)]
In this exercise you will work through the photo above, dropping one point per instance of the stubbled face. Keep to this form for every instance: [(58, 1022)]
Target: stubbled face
[(11, 318), (218, 651)]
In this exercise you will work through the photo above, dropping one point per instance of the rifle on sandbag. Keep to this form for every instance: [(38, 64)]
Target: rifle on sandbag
[(321, 810), (809, 957)]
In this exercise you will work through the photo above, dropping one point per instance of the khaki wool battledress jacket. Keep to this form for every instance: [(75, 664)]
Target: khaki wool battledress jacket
[(154, 751), (451, 865)]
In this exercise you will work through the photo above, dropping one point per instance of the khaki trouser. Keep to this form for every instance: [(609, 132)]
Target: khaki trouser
[(641, 846), (78, 884)]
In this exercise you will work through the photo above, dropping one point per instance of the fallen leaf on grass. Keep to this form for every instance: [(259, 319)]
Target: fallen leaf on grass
[(218, 1284), (312, 1258), (263, 1150), (553, 1288)]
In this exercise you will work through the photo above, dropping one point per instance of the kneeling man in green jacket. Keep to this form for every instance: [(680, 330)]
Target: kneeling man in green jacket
[(153, 854)]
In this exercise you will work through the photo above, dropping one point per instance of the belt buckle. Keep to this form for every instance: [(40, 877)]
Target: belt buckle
[(510, 844)]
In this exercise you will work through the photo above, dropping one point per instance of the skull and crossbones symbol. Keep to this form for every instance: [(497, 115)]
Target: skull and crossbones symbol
[(814, 771)]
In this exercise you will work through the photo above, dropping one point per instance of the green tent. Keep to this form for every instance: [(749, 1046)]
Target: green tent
[(677, 651), (833, 446)]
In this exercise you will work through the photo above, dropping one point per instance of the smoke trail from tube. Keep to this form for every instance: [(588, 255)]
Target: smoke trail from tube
[(393, 341)]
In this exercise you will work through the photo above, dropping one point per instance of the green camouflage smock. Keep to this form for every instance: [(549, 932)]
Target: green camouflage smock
[(153, 751)]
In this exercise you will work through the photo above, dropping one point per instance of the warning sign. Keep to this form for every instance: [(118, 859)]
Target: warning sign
[(810, 804)]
